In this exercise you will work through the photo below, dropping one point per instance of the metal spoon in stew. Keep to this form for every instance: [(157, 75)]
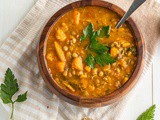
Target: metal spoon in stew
[(134, 6)]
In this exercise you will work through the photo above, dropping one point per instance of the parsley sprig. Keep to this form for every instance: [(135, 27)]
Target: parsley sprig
[(148, 114), (102, 56), (8, 89)]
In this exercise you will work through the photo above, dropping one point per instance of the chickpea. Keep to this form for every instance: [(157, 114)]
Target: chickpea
[(80, 73), (94, 71), (118, 70), (118, 84), (107, 67), (74, 55), (74, 40), (71, 48), (97, 81), (73, 33), (101, 73), (70, 74), (74, 72), (105, 78), (65, 73), (129, 53), (65, 48)]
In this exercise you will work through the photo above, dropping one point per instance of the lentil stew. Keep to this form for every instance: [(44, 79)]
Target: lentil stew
[(84, 68)]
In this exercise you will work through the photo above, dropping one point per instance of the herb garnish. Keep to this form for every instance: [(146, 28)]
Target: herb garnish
[(96, 46), (104, 31), (9, 88), (90, 61), (87, 32), (148, 114), (102, 57)]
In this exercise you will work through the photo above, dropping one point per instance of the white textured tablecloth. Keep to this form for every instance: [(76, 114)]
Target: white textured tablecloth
[(19, 53)]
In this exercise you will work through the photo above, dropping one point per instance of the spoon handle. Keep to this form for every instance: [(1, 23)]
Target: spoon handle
[(134, 6)]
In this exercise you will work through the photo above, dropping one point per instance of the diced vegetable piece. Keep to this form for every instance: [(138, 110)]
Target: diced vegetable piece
[(65, 73), (94, 71), (59, 51), (69, 86), (126, 44), (64, 27), (50, 56), (77, 63), (60, 66), (85, 93), (125, 80), (114, 52), (88, 69), (76, 17), (123, 63), (118, 84), (60, 35), (83, 75)]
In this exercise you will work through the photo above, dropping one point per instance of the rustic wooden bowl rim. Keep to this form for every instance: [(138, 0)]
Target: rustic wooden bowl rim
[(78, 100)]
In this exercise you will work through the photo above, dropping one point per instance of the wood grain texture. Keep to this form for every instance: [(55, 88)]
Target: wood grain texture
[(90, 102)]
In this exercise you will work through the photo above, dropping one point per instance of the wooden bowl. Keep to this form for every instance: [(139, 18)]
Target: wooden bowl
[(90, 102)]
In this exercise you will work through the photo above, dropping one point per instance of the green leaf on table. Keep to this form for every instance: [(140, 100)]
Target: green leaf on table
[(9, 88), (105, 31), (148, 114), (87, 32), (22, 98), (90, 61), (104, 59)]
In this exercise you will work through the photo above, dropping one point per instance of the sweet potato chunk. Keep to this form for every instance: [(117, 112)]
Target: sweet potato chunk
[(60, 66), (60, 35), (59, 51), (50, 56), (76, 17), (77, 63)]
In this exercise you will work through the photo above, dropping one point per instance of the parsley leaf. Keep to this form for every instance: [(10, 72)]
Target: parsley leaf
[(148, 114), (104, 31), (96, 46), (22, 97), (90, 61), (9, 88), (104, 59), (87, 32)]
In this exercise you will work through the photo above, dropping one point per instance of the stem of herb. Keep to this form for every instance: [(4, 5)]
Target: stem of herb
[(12, 111)]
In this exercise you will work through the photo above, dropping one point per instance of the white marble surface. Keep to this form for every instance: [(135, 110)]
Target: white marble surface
[(13, 11)]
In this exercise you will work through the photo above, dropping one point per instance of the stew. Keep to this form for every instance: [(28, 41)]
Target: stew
[(86, 55)]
